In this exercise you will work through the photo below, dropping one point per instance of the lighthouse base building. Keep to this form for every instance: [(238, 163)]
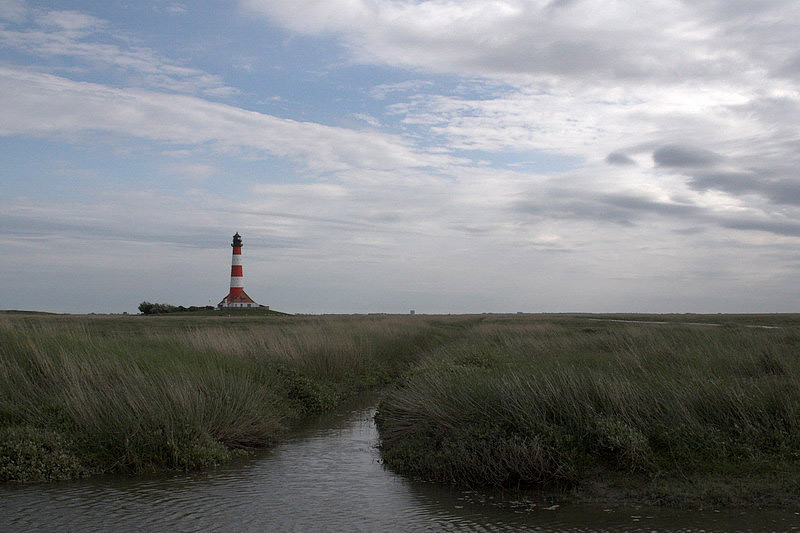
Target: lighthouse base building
[(239, 301), (237, 298)]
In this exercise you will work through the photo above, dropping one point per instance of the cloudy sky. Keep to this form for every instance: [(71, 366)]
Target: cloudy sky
[(387, 155)]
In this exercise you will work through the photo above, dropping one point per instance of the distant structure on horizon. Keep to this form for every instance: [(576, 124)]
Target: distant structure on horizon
[(236, 297)]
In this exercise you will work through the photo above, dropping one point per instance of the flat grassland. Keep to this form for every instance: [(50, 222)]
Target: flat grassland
[(82, 395), (589, 407), (605, 410)]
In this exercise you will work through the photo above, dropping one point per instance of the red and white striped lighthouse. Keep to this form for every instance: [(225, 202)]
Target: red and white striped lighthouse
[(236, 296)]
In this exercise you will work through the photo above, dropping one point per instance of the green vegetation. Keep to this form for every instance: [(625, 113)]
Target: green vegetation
[(86, 395), (607, 411), (587, 407), (148, 308)]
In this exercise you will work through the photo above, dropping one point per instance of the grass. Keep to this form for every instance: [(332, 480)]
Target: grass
[(86, 395), (668, 414), (584, 405)]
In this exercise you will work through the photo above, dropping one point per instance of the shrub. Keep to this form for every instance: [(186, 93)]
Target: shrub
[(35, 454)]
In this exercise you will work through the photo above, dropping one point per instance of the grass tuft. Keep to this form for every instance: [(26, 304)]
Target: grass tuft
[(522, 403), (141, 394)]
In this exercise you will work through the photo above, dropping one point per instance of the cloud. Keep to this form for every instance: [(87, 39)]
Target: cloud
[(786, 191), (788, 228), (175, 8), (616, 208), (734, 182), (625, 209), (74, 23), (369, 119), (42, 104), (582, 79), (680, 156), (586, 80), (783, 190), (94, 44), (590, 38), (618, 158), (763, 32), (13, 10), (332, 246), (515, 119), (660, 144), (381, 91), (195, 171), (144, 217)]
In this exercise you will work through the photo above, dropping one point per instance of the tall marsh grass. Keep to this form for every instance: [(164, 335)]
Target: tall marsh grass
[(85, 395), (331, 347), (565, 403)]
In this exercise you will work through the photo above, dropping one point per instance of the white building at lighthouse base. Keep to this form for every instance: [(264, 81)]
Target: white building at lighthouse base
[(240, 301)]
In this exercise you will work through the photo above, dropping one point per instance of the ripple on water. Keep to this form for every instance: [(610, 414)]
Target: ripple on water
[(327, 477)]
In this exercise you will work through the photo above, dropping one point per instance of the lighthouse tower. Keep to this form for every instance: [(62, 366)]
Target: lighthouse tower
[(236, 296)]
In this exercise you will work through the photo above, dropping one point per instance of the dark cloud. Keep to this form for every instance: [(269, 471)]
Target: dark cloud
[(785, 191), (727, 181), (385, 217), (681, 156), (572, 205), (474, 229), (790, 68), (689, 231), (638, 204), (622, 209), (762, 33), (788, 228), (628, 209), (771, 110), (618, 158), (294, 216)]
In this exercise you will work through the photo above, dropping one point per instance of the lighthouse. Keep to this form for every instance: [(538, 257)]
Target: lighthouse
[(236, 297)]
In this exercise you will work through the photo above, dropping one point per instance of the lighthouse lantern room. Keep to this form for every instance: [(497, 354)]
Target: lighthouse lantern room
[(236, 297)]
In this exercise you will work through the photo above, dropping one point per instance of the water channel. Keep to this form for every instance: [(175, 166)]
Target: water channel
[(328, 477)]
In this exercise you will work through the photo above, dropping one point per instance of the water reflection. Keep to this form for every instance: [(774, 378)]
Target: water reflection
[(327, 477)]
